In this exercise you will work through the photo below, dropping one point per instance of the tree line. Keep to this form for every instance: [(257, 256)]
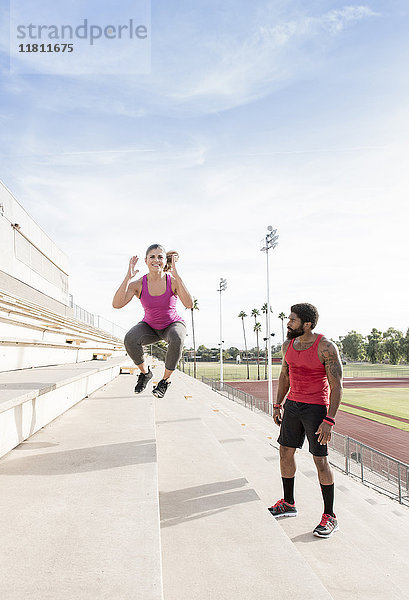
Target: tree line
[(376, 347)]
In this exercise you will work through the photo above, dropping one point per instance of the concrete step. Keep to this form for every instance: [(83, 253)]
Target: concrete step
[(218, 540), (19, 353), (32, 398), (79, 509), (244, 435)]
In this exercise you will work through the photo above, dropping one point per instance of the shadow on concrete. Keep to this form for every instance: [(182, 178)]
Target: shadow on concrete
[(178, 420), (31, 385), (34, 445), (310, 473), (81, 460), (184, 505), (307, 538)]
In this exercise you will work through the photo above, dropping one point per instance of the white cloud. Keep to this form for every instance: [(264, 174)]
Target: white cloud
[(204, 71), (244, 69)]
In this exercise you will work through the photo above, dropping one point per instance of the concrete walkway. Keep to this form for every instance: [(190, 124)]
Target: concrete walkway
[(80, 502), (373, 536), (218, 540)]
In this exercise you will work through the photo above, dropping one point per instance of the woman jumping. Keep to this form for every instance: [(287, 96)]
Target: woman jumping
[(158, 292)]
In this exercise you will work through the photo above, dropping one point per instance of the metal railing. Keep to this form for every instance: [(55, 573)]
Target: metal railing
[(109, 326), (155, 350), (247, 400), (96, 320), (386, 474), (380, 471)]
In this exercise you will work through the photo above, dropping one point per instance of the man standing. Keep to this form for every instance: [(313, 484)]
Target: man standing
[(312, 371)]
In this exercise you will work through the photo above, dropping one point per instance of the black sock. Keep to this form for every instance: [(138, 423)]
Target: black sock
[(328, 497), (288, 486)]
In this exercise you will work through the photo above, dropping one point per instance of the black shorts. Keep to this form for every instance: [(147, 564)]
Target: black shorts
[(301, 419)]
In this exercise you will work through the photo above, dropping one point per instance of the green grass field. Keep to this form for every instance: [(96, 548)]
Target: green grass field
[(239, 372), (378, 418), (393, 401)]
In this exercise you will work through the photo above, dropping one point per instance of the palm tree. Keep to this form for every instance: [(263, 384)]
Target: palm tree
[(194, 307), (257, 329), (282, 316), (242, 315), (255, 313), (264, 310)]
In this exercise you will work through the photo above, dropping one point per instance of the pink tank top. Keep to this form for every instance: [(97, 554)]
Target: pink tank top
[(160, 311), (308, 378)]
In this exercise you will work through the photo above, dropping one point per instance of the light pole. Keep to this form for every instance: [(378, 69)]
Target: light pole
[(269, 242), (222, 287)]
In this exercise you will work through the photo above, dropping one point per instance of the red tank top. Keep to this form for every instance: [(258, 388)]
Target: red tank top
[(308, 378)]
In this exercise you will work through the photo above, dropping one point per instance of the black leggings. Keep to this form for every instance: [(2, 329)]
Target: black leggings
[(143, 335)]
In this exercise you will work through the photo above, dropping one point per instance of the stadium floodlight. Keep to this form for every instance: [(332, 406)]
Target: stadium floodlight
[(269, 243), (222, 288)]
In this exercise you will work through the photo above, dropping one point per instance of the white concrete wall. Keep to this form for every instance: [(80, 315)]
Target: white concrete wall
[(21, 421), (12, 212)]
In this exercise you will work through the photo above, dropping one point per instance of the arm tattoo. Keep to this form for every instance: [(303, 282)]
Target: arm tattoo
[(332, 363), (333, 369)]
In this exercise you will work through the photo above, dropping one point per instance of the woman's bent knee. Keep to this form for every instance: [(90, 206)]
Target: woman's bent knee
[(177, 334)]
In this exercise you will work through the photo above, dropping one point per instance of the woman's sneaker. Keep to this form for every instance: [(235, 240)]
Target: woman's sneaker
[(143, 381), (160, 389), (327, 527), (283, 509)]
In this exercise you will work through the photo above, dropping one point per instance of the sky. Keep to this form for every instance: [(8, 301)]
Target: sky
[(281, 113)]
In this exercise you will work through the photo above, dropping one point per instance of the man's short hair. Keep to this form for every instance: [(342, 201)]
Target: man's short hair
[(306, 312)]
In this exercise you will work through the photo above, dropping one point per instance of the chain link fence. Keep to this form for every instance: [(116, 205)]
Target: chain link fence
[(386, 474), (380, 471), (377, 370)]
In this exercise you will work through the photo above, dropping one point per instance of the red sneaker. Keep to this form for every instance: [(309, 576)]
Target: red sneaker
[(327, 527), (283, 509)]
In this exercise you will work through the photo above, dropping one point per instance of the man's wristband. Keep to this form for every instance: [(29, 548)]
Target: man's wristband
[(329, 420), (276, 405)]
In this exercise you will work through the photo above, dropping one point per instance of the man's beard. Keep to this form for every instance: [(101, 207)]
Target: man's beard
[(294, 333)]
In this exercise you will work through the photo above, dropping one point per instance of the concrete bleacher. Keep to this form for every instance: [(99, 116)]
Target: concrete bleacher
[(128, 496), (32, 336), (47, 365)]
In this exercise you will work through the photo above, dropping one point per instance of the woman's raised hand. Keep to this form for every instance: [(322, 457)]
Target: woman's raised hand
[(173, 270), (132, 270)]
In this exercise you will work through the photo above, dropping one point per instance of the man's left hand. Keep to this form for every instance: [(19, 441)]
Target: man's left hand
[(324, 433)]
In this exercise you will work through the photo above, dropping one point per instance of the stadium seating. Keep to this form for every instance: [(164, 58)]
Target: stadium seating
[(48, 362), (32, 336)]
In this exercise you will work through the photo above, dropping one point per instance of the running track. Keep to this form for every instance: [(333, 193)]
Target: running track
[(387, 439)]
